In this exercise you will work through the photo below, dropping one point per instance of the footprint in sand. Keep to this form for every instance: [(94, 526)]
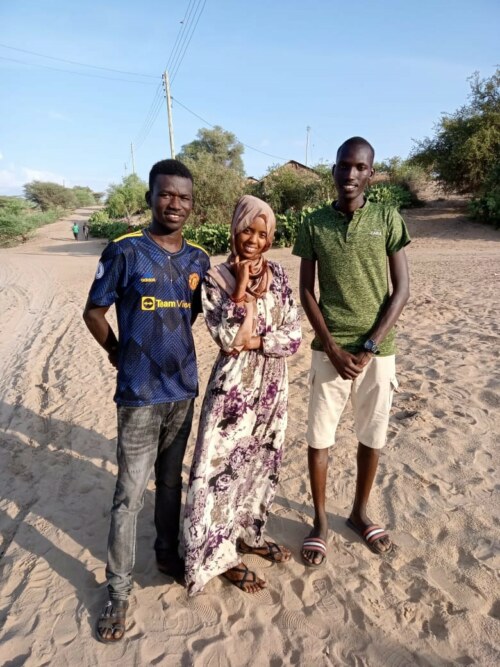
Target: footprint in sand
[(296, 620), (65, 629), (327, 602), (185, 622), (460, 593), (202, 607)]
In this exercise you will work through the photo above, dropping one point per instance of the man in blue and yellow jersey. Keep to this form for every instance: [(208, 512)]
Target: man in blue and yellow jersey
[(153, 276)]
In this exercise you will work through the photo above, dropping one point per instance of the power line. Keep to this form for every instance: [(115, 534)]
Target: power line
[(176, 67), (74, 62), (156, 104), (178, 39), (257, 150), (150, 121), (70, 71)]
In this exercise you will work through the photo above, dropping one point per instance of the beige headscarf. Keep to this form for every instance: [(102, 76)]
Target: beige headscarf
[(247, 209)]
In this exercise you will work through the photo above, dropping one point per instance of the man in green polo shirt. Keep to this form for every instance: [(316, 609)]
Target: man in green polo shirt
[(352, 242)]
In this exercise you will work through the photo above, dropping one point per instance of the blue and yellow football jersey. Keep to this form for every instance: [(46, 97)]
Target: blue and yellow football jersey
[(155, 293)]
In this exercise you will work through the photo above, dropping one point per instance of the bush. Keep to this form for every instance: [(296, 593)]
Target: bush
[(50, 195), (389, 194), (127, 198), (215, 237), (284, 188), (84, 196), (466, 144), (411, 177), (486, 207), (18, 219), (217, 188)]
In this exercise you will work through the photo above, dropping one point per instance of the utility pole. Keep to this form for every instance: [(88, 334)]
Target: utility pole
[(132, 153), (308, 129), (166, 83)]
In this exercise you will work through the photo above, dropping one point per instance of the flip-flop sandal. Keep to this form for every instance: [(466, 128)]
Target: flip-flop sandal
[(273, 550), (370, 536), (317, 545), (112, 618), (248, 577)]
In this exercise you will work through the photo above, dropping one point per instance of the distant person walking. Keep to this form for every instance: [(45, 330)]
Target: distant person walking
[(85, 230), (76, 231)]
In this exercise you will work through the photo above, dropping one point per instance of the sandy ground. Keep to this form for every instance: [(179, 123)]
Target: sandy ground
[(434, 602)]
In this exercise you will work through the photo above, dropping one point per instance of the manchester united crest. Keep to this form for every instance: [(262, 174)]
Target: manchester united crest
[(193, 281)]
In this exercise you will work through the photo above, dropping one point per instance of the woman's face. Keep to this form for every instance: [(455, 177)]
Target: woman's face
[(252, 242)]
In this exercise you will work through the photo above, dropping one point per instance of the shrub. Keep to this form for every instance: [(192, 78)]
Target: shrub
[(486, 206), (217, 188), (284, 188), (18, 219), (50, 195), (392, 195), (466, 144), (127, 198), (84, 196), (411, 177), (215, 237)]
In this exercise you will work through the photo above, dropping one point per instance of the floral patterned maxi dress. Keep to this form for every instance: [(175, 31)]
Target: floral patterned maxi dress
[(241, 431)]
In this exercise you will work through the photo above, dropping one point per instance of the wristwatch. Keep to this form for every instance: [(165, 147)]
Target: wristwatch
[(371, 346)]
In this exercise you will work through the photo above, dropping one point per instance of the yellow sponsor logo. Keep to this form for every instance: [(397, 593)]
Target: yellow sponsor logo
[(150, 303), (148, 280), (193, 280)]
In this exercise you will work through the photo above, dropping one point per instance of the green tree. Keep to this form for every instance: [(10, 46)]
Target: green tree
[(216, 189), (466, 146), (84, 196), (222, 145), (286, 189), (48, 195), (127, 198)]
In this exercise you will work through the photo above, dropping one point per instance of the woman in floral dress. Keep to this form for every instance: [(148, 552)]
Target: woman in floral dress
[(252, 316)]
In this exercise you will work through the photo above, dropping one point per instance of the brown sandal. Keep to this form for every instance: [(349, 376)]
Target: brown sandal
[(274, 551), (112, 618), (248, 577)]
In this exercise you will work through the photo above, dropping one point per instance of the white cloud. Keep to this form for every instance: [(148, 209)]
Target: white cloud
[(1, 156), (13, 178)]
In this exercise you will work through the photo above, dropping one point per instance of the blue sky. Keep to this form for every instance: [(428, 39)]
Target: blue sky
[(265, 70)]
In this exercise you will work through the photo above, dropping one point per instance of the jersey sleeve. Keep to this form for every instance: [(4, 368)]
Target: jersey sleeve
[(397, 233), (303, 246), (110, 276)]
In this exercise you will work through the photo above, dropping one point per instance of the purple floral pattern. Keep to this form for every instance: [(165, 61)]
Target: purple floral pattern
[(241, 432)]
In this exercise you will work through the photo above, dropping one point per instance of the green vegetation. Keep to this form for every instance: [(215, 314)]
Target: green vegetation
[(390, 194), (222, 145), (215, 160), (18, 218), (464, 153), (127, 199), (48, 196), (286, 189)]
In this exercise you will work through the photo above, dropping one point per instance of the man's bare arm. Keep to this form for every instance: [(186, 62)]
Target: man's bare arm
[(95, 319)]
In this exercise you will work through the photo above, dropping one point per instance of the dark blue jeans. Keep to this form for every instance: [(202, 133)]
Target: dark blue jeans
[(149, 437)]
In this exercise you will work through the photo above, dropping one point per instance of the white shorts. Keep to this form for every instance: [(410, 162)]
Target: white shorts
[(371, 397)]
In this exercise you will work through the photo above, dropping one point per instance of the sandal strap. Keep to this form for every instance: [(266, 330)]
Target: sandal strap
[(374, 533), (314, 544)]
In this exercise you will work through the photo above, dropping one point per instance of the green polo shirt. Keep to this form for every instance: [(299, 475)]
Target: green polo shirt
[(352, 268)]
